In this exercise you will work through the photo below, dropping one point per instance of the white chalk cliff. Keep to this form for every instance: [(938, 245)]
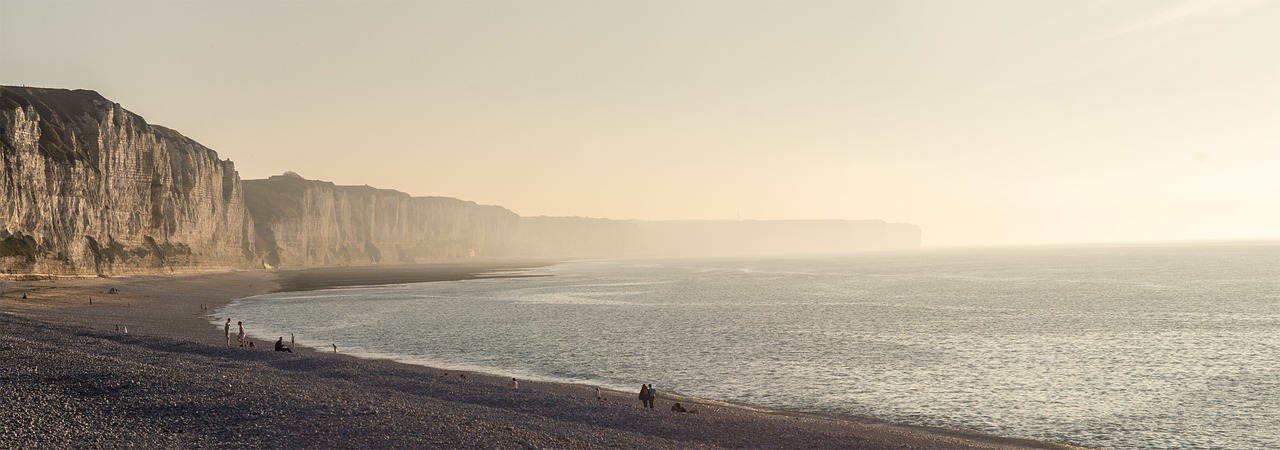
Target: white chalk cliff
[(87, 187)]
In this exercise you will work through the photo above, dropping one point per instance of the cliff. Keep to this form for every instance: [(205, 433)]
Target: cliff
[(303, 222), (775, 236), (87, 187), (576, 236)]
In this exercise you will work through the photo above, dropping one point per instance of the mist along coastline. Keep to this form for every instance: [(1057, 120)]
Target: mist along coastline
[(71, 379), (334, 277)]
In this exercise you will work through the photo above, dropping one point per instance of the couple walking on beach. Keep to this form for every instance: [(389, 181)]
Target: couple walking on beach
[(647, 394), (240, 338), (227, 330)]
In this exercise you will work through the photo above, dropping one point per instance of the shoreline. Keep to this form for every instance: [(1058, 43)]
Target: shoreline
[(167, 307)]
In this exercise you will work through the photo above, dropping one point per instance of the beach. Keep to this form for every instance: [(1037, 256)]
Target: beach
[(73, 377)]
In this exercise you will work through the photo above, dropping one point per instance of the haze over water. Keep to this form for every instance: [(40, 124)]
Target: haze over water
[(1123, 346), (991, 122)]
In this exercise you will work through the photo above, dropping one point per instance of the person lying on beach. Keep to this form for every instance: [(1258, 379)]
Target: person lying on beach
[(280, 346), (680, 408)]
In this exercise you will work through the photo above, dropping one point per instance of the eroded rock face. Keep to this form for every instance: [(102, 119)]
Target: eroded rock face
[(304, 222), (87, 187)]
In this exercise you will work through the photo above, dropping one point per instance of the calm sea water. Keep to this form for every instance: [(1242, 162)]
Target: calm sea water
[(1144, 346)]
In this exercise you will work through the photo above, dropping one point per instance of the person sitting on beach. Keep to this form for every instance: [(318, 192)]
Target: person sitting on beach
[(280, 346), (250, 344), (514, 384)]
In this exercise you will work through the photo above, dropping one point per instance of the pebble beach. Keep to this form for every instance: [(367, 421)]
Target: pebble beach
[(70, 376)]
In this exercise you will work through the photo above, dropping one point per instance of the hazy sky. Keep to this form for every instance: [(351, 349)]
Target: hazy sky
[(984, 122)]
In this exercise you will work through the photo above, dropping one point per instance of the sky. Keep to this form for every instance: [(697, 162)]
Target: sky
[(983, 122)]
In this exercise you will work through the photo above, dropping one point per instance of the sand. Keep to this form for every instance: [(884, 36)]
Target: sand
[(72, 377)]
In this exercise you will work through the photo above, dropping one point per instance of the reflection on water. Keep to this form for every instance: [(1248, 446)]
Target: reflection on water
[(1122, 347)]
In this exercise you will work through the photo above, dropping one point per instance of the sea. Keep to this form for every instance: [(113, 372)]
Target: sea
[(1166, 345)]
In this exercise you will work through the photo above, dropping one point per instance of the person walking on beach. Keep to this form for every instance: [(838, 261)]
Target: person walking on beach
[(646, 396), (653, 394), (227, 329), (241, 336)]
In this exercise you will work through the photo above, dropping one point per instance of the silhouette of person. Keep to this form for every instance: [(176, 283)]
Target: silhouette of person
[(645, 399)]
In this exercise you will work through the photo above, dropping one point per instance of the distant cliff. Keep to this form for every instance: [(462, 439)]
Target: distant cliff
[(576, 236), (303, 222), (88, 187), (775, 236)]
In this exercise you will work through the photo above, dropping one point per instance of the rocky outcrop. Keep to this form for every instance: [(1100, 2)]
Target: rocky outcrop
[(302, 222), (88, 187)]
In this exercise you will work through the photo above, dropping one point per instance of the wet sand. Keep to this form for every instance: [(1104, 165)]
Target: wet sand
[(72, 380)]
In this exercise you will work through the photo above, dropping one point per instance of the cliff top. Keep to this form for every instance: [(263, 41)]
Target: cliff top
[(280, 196), (51, 102), (64, 113)]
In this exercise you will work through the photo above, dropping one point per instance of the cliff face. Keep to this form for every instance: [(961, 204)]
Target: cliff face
[(87, 187), (303, 222)]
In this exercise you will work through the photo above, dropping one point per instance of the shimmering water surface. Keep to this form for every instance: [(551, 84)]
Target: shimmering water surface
[(1144, 346)]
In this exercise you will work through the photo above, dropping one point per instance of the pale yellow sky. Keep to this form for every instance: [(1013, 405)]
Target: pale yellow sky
[(984, 122)]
